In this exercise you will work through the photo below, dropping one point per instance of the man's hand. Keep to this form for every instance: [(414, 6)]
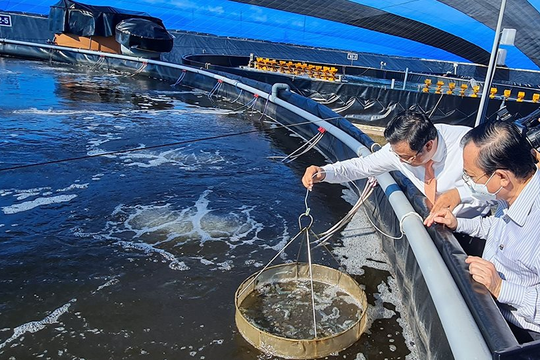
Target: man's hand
[(485, 273), (443, 216), (447, 200), (313, 175)]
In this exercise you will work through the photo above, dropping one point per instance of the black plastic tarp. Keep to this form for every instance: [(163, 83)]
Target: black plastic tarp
[(143, 34), (80, 19), (25, 27), (368, 104)]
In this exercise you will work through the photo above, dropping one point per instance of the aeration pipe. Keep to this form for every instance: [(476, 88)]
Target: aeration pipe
[(461, 330)]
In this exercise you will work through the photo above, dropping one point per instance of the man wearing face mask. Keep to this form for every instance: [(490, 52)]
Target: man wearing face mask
[(429, 155), (498, 163)]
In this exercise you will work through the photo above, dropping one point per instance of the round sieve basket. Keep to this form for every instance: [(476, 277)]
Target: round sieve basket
[(294, 348)]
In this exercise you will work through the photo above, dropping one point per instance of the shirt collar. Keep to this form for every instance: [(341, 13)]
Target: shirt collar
[(440, 153), (521, 208)]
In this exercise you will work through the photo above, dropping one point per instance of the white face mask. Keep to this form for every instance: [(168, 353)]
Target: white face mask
[(480, 191)]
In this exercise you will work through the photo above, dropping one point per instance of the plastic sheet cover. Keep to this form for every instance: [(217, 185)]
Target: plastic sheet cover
[(76, 18), (354, 14), (143, 34)]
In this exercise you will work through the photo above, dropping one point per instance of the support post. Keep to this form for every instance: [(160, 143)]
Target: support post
[(491, 68)]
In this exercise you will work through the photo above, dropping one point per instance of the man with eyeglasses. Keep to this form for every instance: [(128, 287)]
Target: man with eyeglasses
[(498, 164), (429, 155)]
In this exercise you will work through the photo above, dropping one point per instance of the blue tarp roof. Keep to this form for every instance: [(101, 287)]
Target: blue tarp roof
[(452, 30)]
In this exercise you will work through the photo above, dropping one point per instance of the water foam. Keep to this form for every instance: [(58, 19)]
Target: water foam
[(28, 205), (174, 263), (93, 146), (160, 229), (362, 247), (185, 159), (23, 194), (35, 326), (73, 186), (42, 197)]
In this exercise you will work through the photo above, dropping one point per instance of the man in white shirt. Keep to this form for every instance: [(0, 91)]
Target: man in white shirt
[(429, 155), (498, 164)]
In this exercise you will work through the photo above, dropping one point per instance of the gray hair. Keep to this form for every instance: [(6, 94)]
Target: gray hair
[(502, 146)]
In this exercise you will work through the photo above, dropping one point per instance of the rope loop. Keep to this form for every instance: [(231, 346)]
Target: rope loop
[(410, 213)]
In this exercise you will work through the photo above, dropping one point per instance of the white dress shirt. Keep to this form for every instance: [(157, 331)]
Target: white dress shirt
[(447, 164), (513, 246)]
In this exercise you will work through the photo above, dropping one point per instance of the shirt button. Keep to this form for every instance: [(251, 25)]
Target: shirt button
[(501, 247)]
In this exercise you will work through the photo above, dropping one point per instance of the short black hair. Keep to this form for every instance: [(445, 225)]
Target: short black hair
[(413, 127), (502, 146)]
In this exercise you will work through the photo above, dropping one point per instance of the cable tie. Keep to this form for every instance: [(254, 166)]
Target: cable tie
[(322, 130), (255, 95)]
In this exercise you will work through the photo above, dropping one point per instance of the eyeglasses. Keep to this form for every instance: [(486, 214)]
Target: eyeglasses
[(466, 178), (469, 180), (406, 160)]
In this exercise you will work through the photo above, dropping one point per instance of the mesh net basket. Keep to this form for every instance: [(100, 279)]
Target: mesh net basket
[(309, 346)]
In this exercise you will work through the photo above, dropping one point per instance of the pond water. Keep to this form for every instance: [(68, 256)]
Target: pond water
[(130, 211)]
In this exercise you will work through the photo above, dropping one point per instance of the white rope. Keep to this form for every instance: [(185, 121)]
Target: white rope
[(270, 262), (239, 94), (215, 89), (307, 228), (325, 236), (252, 102), (99, 62), (264, 109), (140, 69), (373, 146), (180, 78), (437, 104), (307, 146), (246, 106), (410, 213), (312, 290)]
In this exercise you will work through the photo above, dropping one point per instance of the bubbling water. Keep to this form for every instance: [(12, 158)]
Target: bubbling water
[(285, 309)]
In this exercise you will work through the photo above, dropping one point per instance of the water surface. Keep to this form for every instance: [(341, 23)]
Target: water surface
[(138, 254)]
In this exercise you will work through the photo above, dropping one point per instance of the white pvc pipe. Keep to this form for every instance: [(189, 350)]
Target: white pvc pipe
[(461, 330), (405, 78)]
